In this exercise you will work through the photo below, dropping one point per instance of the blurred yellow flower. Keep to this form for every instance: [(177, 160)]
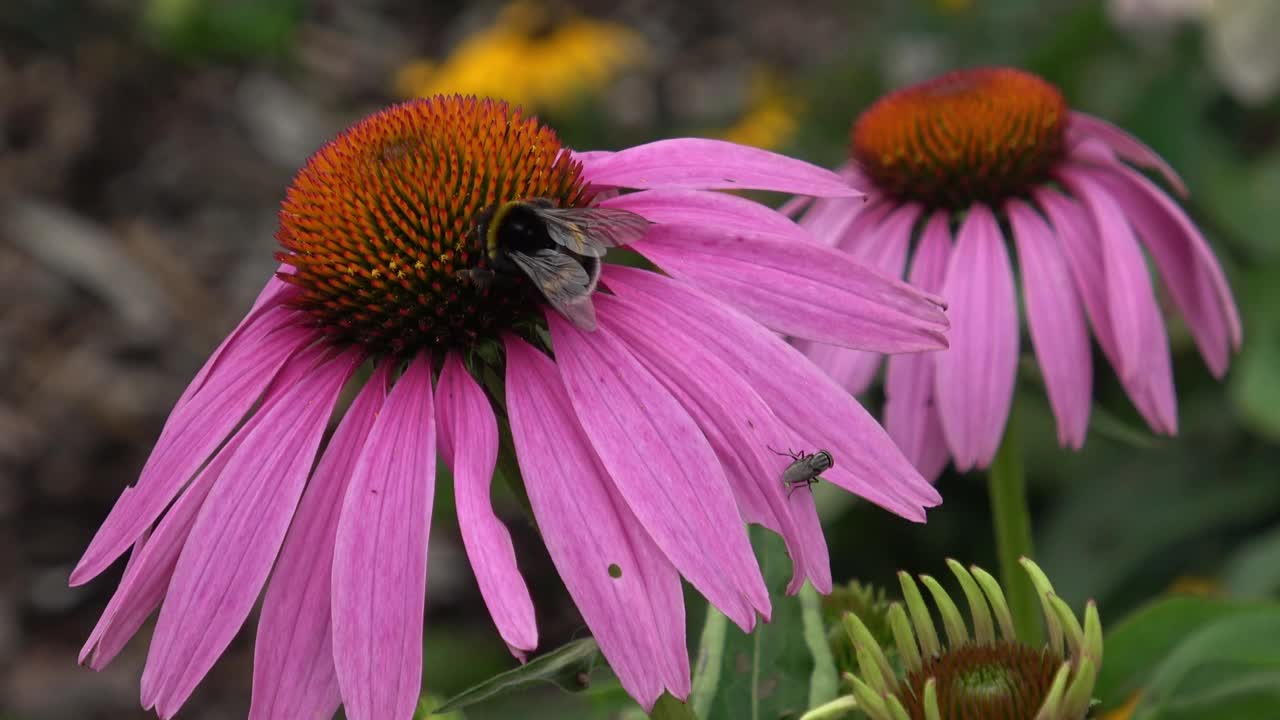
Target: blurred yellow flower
[(770, 122), (530, 58), (1194, 585)]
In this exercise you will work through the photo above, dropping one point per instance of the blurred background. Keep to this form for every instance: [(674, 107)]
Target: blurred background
[(144, 147)]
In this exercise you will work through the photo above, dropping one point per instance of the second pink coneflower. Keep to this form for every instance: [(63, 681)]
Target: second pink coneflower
[(962, 167)]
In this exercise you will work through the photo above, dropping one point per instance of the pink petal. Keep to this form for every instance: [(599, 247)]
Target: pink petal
[(192, 433), (1082, 249), (637, 617), (1192, 274), (150, 568), (1056, 320), (380, 558), (663, 467), (729, 213), (823, 414), (800, 289), (910, 415), (736, 422), (828, 218), (468, 435), (237, 534), (885, 250), (293, 668), (710, 165), (796, 205), (274, 294), (1124, 145), (1141, 341), (974, 379)]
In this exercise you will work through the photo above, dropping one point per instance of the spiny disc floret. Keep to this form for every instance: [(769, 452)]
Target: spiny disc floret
[(380, 225), (1004, 681), (979, 135)]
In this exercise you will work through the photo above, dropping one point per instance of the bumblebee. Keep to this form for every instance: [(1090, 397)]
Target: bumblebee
[(558, 249), (805, 468)]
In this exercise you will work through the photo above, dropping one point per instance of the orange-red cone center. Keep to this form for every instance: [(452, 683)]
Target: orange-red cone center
[(969, 136), (380, 224)]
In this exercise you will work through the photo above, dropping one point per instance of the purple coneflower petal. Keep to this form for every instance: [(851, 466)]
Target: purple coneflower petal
[(628, 593), (238, 533), (975, 378), (1150, 392), (910, 414), (710, 165), (704, 207), (868, 463), (275, 292), (380, 556), (883, 249), (1191, 272), (664, 468), (194, 430), (1141, 340), (1082, 127), (1056, 320), (800, 289), (293, 668), (468, 434), (736, 422)]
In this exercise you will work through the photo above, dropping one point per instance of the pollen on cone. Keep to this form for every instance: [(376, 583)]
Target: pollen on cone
[(380, 223), (968, 136)]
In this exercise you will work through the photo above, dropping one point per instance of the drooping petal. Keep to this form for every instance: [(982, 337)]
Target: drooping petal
[(974, 379), (828, 218), (190, 435), (273, 294), (736, 422), (885, 250), (150, 568), (1082, 127), (1056, 321), (380, 556), (800, 289), (628, 593), (910, 414), (823, 414), (1141, 341), (1081, 248), (663, 467), (710, 165), (468, 434), (237, 534), (293, 667), (1192, 274)]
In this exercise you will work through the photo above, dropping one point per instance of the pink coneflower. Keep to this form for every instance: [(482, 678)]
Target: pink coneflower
[(958, 167), (643, 443)]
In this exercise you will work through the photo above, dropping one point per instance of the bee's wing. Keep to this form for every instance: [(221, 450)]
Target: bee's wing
[(590, 231), (563, 281)]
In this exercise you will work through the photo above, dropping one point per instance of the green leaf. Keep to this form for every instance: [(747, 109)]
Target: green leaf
[(1231, 662), (1135, 648), (669, 708), (1254, 571), (568, 666), (773, 673)]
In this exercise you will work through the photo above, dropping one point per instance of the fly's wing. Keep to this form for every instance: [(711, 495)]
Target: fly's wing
[(797, 472), (591, 231), (563, 282)]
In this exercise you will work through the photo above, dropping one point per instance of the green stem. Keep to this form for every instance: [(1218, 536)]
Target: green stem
[(1012, 518), (706, 673)]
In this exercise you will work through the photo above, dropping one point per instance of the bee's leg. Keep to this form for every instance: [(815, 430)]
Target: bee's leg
[(776, 452)]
